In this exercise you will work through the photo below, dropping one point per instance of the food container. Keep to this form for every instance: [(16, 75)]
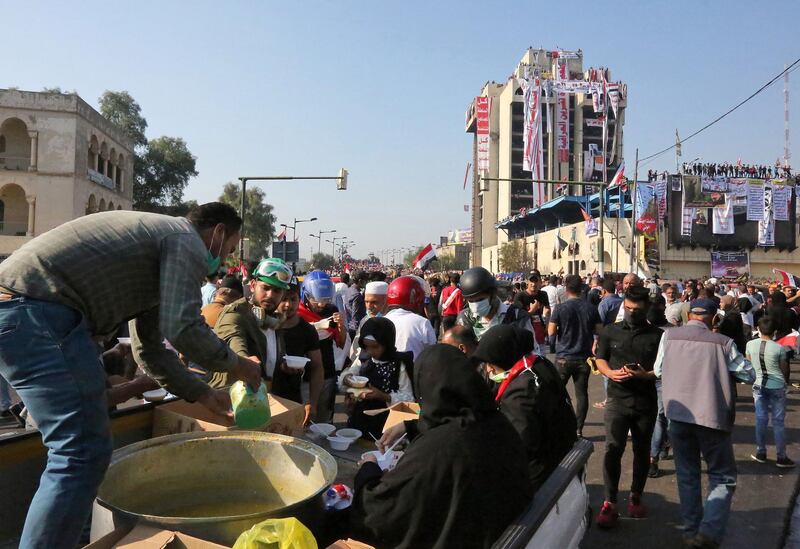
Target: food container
[(124, 340), (352, 434), (386, 462), (321, 430), (358, 381), (214, 485), (296, 362), (340, 443), (156, 395)]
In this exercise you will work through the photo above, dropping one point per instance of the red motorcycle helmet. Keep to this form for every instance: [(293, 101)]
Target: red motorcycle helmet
[(406, 292)]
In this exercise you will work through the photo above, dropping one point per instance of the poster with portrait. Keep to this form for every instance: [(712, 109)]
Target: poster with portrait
[(730, 264), (694, 197), (714, 184)]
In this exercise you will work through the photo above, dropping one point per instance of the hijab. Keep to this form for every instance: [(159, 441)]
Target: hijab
[(382, 331), (504, 345), (449, 389), (729, 304)]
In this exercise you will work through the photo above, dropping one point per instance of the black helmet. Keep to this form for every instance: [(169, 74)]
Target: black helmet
[(475, 281)]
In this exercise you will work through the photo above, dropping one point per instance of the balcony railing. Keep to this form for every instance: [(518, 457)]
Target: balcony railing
[(8, 162), (101, 179)]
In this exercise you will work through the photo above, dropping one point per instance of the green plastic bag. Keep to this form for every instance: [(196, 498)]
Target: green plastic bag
[(250, 409), (286, 533)]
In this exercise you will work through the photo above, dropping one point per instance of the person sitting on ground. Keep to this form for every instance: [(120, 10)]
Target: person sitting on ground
[(386, 370), (230, 289), (461, 338), (531, 395), (449, 489), (299, 339)]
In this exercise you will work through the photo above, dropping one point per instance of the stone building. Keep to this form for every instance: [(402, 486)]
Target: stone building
[(59, 160)]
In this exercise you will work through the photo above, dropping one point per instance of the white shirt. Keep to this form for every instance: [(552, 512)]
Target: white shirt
[(552, 295), (413, 332), (208, 290)]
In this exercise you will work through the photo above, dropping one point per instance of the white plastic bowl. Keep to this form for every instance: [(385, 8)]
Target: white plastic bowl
[(385, 463), (296, 362), (352, 434), (156, 395), (339, 443), (321, 429), (358, 381), (124, 340)]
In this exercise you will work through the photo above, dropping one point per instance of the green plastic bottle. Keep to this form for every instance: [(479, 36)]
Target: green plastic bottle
[(250, 409)]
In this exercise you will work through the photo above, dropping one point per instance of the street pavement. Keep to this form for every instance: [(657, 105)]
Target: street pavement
[(762, 505)]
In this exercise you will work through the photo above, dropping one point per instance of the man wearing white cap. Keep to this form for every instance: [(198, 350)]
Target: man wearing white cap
[(375, 302)]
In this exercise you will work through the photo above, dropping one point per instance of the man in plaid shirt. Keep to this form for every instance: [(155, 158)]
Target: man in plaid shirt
[(79, 282)]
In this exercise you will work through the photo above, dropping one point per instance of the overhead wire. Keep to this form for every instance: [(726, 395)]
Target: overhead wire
[(790, 68)]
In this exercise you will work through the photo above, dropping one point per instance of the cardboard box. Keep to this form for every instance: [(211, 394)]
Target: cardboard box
[(402, 411), (185, 417), (147, 537), (349, 544)]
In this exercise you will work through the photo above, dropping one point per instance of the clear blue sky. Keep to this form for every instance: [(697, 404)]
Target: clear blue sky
[(304, 88)]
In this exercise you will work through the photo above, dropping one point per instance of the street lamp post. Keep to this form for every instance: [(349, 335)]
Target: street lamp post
[(319, 238), (341, 184), (333, 244)]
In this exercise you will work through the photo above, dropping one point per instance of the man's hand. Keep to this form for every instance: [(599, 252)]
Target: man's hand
[(309, 412), (390, 436), (619, 375), (376, 394), (337, 318), (219, 402), (368, 458), (535, 306), (636, 370), (248, 369), (289, 371)]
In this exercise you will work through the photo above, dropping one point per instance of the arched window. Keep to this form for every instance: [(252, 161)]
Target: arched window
[(583, 265), (110, 206), (91, 205), (14, 215), (2, 214), (102, 206), (118, 183), (16, 151)]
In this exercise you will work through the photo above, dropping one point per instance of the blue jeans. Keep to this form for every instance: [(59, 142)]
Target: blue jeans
[(770, 401), (689, 442), (5, 395), (48, 356), (660, 430)]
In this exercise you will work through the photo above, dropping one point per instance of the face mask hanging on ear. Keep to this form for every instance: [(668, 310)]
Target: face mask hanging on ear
[(213, 262)]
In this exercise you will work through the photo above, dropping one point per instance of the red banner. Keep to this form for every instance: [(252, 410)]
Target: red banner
[(562, 126), (482, 105)]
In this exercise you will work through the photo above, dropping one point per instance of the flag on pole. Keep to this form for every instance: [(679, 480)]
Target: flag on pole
[(281, 236), (619, 177), (425, 256), (591, 224), (787, 279)]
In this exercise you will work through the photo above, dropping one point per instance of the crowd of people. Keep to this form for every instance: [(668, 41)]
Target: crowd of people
[(727, 169), (489, 364)]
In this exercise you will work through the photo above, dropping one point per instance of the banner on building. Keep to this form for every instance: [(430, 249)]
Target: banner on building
[(714, 184), (591, 224), (562, 126), (646, 209), (613, 97), (593, 122), (723, 218), (459, 236), (730, 264), (588, 165), (573, 86), (687, 217), (598, 99), (755, 200), (597, 156), (766, 227), (781, 196), (482, 108), (694, 197), (737, 186), (661, 195), (532, 157), (648, 251), (675, 183)]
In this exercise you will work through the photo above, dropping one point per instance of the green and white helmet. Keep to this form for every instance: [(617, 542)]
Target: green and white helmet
[(275, 272)]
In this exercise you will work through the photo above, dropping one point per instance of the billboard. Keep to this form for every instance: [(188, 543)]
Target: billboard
[(730, 264), (288, 251), (459, 236)]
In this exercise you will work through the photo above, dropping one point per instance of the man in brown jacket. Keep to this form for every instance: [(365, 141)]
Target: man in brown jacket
[(230, 289)]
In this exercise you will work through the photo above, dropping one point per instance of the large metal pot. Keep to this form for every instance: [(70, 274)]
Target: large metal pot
[(214, 485)]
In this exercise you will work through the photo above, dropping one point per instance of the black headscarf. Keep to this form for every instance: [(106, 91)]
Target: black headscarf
[(504, 345), (382, 329), (449, 388)]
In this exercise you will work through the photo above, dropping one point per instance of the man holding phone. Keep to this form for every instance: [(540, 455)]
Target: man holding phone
[(626, 352)]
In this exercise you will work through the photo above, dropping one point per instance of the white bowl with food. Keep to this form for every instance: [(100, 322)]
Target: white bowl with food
[(385, 461), (352, 434), (358, 381), (296, 362), (124, 340), (156, 395), (320, 430), (340, 443)]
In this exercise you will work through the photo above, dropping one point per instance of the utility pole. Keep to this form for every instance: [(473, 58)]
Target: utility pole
[(787, 154), (633, 212)]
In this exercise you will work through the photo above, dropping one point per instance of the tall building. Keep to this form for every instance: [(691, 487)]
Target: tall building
[(571, 129), (59, 160)]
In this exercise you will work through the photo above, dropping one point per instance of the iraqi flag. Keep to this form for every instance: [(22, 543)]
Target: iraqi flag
[(619, 177), (787, 279), (281, 236), (425, 256)]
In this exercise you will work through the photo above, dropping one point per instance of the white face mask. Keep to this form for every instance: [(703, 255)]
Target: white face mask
[(480, 308)]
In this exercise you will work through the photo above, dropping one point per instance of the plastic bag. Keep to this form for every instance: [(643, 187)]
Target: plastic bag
[(286, 533)]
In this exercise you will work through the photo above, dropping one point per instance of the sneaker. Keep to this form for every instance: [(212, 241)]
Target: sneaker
[(665, 452), (608, 517), (636, 508), (760, 457), (600, 405), (784, 463), (702, 541), (653, 472)]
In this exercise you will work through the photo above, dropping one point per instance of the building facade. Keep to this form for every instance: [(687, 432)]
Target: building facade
[(496, 200), (59, 160)]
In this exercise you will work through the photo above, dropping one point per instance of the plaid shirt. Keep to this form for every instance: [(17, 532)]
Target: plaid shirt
[(119, 266)]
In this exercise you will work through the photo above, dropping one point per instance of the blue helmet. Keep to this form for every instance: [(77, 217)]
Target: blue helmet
[(318, 286)]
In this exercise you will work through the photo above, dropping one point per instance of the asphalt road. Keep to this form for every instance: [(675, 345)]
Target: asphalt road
[(762, 504)]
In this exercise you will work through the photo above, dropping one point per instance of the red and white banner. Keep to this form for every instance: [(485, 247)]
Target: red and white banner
[(425, 256), (613, 97), (562, 126), (619, 177), (482, 108), (532, 157), (594, 122), (573, 86)]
